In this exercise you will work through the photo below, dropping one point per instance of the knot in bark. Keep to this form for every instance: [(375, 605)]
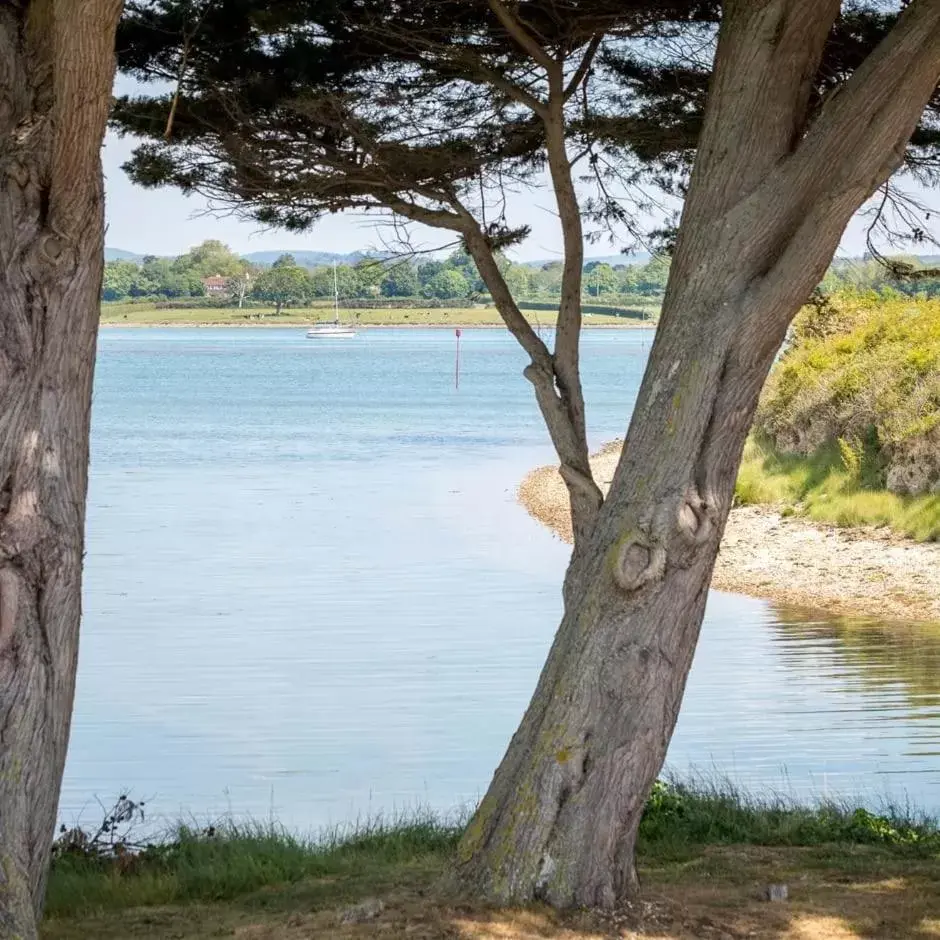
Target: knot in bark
[(54, 256), (696, 518), (639, 562), (19, 173), (539, 374)]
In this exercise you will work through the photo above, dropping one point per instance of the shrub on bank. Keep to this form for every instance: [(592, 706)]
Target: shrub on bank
[(861, 376)]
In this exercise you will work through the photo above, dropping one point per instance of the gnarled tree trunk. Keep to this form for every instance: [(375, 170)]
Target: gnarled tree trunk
[(56, 72), (771, 193)]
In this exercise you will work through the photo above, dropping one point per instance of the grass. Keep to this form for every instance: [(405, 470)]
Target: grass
[(827, 487), (235, 860), (705, 851), (149, 315)]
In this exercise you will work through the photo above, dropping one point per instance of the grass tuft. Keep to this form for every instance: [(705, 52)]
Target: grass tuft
[(822, 488), (231, 860), (683, 817)]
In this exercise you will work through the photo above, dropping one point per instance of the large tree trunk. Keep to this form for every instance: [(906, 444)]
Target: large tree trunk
[(56, 71), (772, 191)]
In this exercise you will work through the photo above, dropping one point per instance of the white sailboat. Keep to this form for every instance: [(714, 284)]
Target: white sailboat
[(334, 329)]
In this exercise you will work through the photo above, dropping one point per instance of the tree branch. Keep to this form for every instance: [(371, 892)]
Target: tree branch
[(587, 60), (568, 332), (498, 80), (523, 37), (482, 253), (778, 45), (567, 435), (436, 218), (882, 101)]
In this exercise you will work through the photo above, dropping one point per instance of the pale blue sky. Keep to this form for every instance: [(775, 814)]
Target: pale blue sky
[(164, 222)]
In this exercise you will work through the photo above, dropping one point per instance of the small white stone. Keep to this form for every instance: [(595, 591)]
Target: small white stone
[(776, 893), (359, 913)]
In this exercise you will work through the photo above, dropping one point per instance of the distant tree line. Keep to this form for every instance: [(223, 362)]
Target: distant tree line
[(212, 269), (455, 278), (891, 279)]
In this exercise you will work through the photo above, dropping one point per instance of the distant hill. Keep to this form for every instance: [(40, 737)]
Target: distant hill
[(308, 259), (119, 254), (634, 257)]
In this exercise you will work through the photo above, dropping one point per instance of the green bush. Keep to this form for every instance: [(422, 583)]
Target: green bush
[(861, 374)]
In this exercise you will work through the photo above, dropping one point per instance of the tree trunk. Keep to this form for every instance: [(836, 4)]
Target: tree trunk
[(56, 70), (770, 196)]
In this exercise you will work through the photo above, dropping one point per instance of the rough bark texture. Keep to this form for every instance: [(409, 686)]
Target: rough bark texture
[(56, 71), (770, 197)]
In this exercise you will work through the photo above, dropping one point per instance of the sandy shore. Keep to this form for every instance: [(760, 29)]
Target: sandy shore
[(866, 572)]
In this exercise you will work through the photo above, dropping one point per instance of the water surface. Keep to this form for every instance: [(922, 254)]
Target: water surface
[(310, 591)]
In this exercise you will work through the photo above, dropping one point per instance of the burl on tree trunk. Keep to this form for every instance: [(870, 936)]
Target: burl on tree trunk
[(56, 72), (772, 190)]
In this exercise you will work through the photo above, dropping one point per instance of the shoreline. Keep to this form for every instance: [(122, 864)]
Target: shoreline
[(300, 325), (866, 572)]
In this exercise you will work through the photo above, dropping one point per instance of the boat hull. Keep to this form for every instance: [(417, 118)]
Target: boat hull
[(331, 334)]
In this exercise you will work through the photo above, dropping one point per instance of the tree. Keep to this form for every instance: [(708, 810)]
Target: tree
[(119, 279), (342, 280), (401, 280), (55, 90), (447, 285), (285, 282), (774, 184), (653, 276), (600, 280), (547, 280), (806, 116), (517, 279), (239, 285), (210, 258)]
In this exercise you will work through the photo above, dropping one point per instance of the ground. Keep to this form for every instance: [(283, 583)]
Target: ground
[(835, 893)]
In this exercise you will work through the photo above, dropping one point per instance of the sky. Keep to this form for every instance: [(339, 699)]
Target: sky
[(164, 222)]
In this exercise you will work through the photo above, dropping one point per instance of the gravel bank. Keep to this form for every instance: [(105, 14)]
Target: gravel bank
[(867, 572)]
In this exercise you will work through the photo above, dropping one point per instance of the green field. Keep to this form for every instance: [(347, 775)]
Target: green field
[(149, 315)]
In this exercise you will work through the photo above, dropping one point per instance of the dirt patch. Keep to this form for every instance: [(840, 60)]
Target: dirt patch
[(870, 572)]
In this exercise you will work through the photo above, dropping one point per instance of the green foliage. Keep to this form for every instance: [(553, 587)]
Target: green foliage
[(283, 284), (228, 861), (706, 813), (851, 459), (170, 278), (401, 280), (599, 279), (218, 863), (447, 285), (865, 372), (820, 488), (902, 277)]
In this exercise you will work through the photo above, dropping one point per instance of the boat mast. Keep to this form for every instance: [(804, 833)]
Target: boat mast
[(335, 295)]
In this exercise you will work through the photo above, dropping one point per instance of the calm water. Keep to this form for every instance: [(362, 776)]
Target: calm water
[(311, 593)]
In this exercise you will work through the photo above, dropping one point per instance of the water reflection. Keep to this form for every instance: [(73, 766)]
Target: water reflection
[(884, 658)]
